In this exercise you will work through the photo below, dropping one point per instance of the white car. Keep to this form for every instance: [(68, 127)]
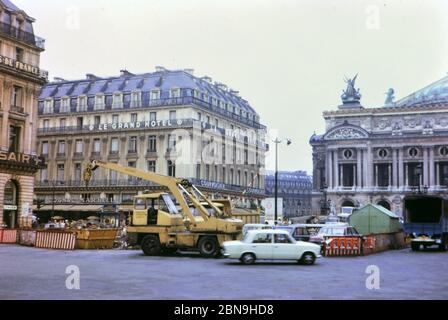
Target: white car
[(271, 245)]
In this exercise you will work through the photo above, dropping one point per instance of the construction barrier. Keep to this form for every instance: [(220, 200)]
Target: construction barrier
[(8, 236), (55, 240), (95, 238), (342, 246), (27, 237)]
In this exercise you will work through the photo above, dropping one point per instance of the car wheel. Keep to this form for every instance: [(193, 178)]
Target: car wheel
[(415, 246), (248, 258), (151, 245), (208, 247), (308, 258)]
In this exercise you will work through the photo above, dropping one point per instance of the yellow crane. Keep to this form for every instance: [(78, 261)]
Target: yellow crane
[(157, 225)]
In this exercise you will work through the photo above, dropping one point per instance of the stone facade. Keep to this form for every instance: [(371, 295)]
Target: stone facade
[(385, 155), (20, 83)]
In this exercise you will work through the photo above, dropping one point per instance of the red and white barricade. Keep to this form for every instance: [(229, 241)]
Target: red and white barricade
[(8, 236), (55, 240), (342, 246)]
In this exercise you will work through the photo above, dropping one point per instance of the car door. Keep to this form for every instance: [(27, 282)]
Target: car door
[(284, 247), (262, 245)]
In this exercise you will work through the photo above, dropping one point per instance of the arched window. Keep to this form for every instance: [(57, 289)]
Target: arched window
[(384, 204)]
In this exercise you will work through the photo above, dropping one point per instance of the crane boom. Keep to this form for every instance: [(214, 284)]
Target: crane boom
[(178, 187)]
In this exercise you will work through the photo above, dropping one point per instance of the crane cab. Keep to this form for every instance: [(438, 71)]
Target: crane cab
[(155, 209)]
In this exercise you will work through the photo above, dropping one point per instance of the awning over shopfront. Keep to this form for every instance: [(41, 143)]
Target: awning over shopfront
[(69, 208)]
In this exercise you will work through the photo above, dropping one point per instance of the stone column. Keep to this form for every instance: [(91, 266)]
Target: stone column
[(336, 169), (369, 167), (365, 168), (389, 168), (432, 181), (394, 169), (375, 172), (358, 167), (400, 168), (329, 171), (438, 173), (355, 179), (425, 167), (406, 184)]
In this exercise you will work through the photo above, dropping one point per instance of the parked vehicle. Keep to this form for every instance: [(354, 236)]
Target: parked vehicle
[(333, 230), (271, 245), (300, 231), (255, 226), (426, 222)]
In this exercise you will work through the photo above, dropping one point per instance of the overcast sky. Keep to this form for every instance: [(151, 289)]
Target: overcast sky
[(287, 58)]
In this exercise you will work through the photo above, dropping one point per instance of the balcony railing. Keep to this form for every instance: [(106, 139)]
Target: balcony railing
[(176, 102), (17, 109), (27, 37)]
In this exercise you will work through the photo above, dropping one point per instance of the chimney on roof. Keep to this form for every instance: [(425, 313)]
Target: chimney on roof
[(125, 73), (221, 86), (160, 69), (90, 76), (207, 79), (190, 71), (57, 79)]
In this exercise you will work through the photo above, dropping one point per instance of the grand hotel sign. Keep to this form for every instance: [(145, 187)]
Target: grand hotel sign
[(23, 67), (137, 125)]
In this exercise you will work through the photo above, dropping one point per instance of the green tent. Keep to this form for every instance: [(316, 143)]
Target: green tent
[(375, 219)]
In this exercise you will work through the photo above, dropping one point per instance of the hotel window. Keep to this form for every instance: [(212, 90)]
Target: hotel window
[(132, 145), (44, 174), (115, 118), (135, 99), (207, 172), (14, 138), (61, 173), (45, 148), (117, 102), (78, 146), (48, 106), (96, 146), (205, 97), (97, 120), (238, 178), (16, 99), (199, 116), (19, 54), (172, 115), (155, 94), (79, 122), (99, 102), (152, 144), (134, 117), (114, 146), (224, 175), (62, 122), (175, 93), (171, 169), (245, 179), (215, 174), (113, 175), (153, 116), (383, 175), (208, 119), (61, 148), (151, 166), (231, 176), (82, 103), (198, 171), (216, 123), (171, 142), (46, 124), (78, 172), (132, 164), (65, 105)]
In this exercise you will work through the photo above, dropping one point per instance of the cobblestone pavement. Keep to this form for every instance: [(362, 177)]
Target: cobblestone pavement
[(30, 273)]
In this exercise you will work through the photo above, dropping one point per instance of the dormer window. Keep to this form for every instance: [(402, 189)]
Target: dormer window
[(48, 106), (136, 99), (155, 94), (196, 94), (99, 102), (117, 100), (205, 97), (82, 103), (214, 101), (175, 93), (65, 105)]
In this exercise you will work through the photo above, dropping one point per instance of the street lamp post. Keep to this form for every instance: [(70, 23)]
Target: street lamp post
[(277, 141)]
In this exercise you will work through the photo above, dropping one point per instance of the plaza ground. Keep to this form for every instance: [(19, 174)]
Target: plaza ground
[(30, 273)]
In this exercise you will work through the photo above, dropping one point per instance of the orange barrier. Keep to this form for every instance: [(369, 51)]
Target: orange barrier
[(342, 246), (55, 240), (8, 236), (369, 242)]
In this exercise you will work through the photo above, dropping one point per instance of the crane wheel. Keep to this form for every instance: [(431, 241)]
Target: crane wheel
[(151, 245), (208, 247)]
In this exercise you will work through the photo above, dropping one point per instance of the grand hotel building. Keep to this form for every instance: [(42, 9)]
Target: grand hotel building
[(168, 121), (395, 155), (20, 83)]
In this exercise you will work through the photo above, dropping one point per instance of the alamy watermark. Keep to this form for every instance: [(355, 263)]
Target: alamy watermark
[(73, 281)]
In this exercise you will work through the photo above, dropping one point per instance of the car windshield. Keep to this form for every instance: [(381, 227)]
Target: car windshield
[(332, 231), (286, 228)]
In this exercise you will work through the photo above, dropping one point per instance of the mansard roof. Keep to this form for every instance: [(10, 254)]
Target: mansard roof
[(127, 82)]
